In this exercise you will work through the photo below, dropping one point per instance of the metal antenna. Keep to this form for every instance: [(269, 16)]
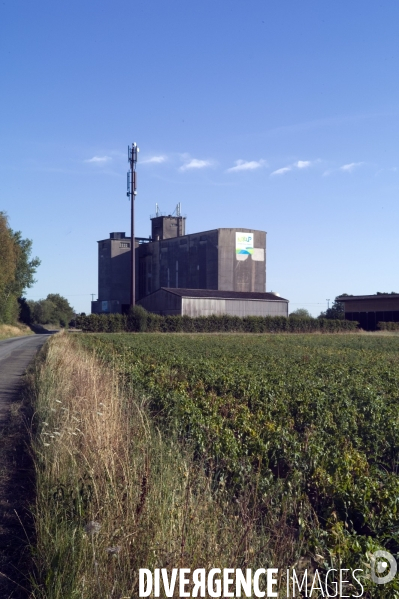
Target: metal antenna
[(92, 296), (131, 193)]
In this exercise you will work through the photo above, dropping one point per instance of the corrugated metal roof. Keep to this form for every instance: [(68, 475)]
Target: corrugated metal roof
[(216, 293)]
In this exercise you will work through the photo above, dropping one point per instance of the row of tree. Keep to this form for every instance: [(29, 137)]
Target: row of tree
[(17, 270), (54, 310)]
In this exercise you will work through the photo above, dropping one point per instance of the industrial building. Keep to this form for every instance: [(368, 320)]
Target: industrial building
[(205, 302), (369, 310), (221, 271)]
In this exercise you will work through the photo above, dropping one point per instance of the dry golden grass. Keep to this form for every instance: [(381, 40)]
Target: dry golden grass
[(7, 331), (114, 495)]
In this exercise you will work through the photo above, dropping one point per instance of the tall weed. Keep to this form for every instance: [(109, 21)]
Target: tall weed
[(114, 495)]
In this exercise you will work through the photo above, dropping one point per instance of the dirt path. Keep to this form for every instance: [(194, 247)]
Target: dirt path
[(16, 477)]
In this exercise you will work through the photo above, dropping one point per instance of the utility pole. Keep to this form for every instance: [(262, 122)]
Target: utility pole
[(92, 296), (328, 304), (131, 193)]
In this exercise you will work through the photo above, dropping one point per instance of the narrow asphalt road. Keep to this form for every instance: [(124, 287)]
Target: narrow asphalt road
[(15, 356), (16, 475)]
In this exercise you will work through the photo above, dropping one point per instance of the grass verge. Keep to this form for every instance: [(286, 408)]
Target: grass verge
[(7, 331), (114, 494)]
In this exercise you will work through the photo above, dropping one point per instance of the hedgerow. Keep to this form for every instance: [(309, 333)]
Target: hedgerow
[(388, 326), (141, 321)]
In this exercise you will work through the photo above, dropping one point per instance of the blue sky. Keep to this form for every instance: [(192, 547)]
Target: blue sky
[(273, 115)]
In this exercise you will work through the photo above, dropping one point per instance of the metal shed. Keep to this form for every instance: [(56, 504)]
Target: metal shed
[(206, 302), (369, 310)]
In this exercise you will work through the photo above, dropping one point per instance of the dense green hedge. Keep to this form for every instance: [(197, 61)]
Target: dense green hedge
[(388, 326), (141, 321)]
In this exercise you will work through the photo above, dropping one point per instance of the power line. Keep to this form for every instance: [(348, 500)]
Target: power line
[(307, 303)]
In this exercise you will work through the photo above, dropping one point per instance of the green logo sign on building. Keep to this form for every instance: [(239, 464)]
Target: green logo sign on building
[(244, 243)]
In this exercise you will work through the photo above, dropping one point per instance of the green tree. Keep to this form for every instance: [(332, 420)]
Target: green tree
[(8, 257), (25, 314), (336, 312), (54, 310), (42, 312), (16, 269), (25, 268), (300, 313), (63, 310)]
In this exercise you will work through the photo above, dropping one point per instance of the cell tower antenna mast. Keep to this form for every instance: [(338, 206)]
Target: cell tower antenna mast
[(131, 193)]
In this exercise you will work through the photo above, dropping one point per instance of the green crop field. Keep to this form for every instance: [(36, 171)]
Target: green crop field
[(311, 422)]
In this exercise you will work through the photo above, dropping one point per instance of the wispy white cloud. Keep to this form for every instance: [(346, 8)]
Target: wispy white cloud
[(303, 163), (99, 159), (195, 163), (154, 160), (345, 168), (246, 165), (281, 171), (348, 168)]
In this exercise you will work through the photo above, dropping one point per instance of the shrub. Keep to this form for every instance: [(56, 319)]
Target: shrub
[(388, 326), (137, 320), (140, 321)]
